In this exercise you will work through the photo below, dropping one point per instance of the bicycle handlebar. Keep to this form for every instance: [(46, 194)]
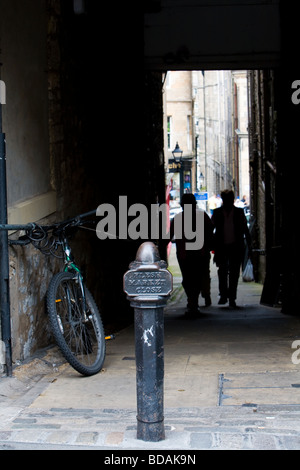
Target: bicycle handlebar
[(15, 228), (33, 225), (38, 234), (78, 217)]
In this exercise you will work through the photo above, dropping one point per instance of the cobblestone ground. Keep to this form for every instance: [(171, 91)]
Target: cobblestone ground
[(230, 383)]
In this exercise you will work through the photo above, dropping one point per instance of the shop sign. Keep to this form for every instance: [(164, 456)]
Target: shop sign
[(174, 166)]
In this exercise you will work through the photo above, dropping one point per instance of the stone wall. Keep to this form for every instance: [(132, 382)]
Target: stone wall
[(88, 166), (30, 274)]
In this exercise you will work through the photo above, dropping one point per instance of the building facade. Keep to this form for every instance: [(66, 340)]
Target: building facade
[(179, 129), (206, 113), (240, 169), (212, 104)]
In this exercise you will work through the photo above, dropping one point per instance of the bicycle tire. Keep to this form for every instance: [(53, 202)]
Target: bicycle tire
[(81, 340)]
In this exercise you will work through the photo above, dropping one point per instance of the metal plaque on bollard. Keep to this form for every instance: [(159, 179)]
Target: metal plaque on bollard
[(148, 284), (143, 282)]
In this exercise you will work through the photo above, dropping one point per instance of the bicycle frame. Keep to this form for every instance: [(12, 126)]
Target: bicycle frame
[(70, 266)]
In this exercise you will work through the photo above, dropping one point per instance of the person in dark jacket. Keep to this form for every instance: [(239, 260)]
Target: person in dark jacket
[(229, 244), (193, 263)]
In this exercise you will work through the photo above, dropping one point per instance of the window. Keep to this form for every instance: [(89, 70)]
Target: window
[(188, 132), (169, 130)]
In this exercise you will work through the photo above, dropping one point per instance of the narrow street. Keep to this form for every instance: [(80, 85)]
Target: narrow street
[(230, 383)]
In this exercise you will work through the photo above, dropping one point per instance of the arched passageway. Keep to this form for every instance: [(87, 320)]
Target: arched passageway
[(87, 166)]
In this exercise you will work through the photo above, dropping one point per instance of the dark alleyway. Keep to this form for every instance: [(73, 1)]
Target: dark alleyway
[(80, 161), (227, 365)]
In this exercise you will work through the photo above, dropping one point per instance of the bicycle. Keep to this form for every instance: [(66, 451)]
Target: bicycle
[(74, 317)]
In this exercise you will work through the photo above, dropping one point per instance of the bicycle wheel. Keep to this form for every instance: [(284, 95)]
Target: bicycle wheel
[(79, 335)]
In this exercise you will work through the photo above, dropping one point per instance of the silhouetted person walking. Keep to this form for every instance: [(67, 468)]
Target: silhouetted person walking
[(193, 263), (230, 229)]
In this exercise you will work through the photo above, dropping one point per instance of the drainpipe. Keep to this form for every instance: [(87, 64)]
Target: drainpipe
[(4, 256)]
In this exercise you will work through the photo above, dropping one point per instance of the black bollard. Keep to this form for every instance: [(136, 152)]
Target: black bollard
[(148, 285)]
